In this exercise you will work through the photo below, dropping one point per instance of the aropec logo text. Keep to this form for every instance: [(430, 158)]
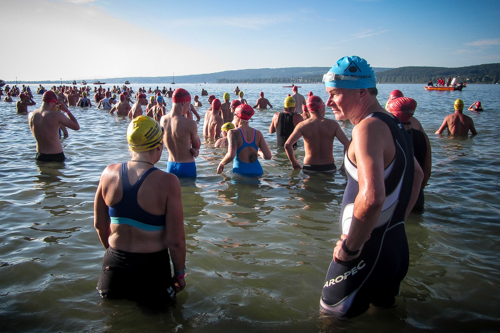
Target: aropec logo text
[(353, 68), (344, 276)]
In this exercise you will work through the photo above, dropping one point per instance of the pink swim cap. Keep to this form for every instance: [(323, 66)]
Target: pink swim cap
[(402, 107), (395, 94), (314, 103), (235, 103), (216, 104), (244, 112), (181, 95), (49, 96)]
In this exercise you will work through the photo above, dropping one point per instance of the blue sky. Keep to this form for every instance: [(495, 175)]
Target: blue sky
[(92, 39)]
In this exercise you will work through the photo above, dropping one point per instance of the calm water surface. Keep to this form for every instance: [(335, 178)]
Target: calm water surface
[(257, 251)]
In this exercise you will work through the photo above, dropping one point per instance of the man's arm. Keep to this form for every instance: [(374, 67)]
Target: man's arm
[(417, 183), (232, 142), (113, 109), (272, 127), (296, 134), (443, 126), (264, 150), (269, 104), (472, 127), (101, 215), (70, 122), (195, 140)]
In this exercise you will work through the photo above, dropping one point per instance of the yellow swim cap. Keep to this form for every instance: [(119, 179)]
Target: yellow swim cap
[(151, 98), (226, 97), (144, 134), (227, 126), (289, 102), (241, 93), (459, 104), (84, 94)]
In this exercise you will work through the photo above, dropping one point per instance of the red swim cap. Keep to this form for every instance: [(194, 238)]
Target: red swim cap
[(402, 107), (244, 112), (142, 96), (195, 97), (235, 103), (22, 96), (211, 98), (478, 103), (261, 94), (123, 97), (294, 88), (314, 103), (309, 94), (181, 95), (49, 96), (216, 104), (395, 94)]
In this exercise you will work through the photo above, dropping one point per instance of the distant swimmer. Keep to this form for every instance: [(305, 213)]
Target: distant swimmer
[(283, 123), (242, 100), (44, 124), (245, 145), (8, 97), (106, 102), (138, 217), (181, 136), (215, 122), (236, 91), (136, 109), (158, 110), (225, 107), (208, 114), (222, 142), (476, 106), (299, 99), (62, 97), (73, 96), (122, 108), (319, 134), (262, 102), (84, 101), (169, 92), (196, 101), (457, 123), (23, 103)]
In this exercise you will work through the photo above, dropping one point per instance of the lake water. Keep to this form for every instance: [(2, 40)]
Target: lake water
[(257, 252)]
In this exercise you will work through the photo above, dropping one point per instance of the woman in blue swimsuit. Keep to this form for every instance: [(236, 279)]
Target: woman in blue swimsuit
[(139, 221), (245, 144)]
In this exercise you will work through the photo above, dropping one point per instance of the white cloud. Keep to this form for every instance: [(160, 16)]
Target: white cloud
[(485, 42), (79, 2), (248, 22)]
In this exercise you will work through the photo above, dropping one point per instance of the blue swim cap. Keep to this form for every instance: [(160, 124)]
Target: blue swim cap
[(350, 73), (159, 99)]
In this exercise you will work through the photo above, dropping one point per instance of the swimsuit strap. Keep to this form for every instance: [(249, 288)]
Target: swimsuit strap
[(125, 181), (242, 134)]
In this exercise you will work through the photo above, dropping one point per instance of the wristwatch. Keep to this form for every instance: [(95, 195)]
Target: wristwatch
[(346, 250)]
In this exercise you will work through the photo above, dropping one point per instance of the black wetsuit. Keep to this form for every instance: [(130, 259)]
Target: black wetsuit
[(50, 157), (374, 277), (284, 128), (419, 150)]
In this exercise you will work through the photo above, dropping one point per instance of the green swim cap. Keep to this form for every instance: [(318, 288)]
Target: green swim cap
[(350, 73)]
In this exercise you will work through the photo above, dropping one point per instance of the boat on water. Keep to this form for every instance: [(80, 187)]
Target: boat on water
[(429, 88), (127, 82), (99, 82), (2, 83), (173, 81), (292, 86), (84, 82), (74, 82)]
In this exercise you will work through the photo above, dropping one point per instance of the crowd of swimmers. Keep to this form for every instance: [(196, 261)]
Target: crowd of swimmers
[(138, 208)]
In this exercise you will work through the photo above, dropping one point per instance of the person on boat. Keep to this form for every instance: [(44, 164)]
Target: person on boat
[(299, 99), (241, 99), (84, 101), (45, 123), (457, 123), (262, 102), (430, 84), (181, 136), (245, 145), (476, 106), (225, 107), (136, 109), (404, 108), (215, 122), (23, 103), (196, 101), (158, 110), (283, 123), (222, 142), (372, 257), (319, 134), (138, 217), (123, 107)]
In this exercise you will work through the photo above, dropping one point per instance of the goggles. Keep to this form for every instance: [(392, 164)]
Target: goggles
[(329, 77)]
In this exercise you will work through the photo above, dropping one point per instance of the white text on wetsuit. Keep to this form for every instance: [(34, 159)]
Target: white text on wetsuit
[(344, 276)]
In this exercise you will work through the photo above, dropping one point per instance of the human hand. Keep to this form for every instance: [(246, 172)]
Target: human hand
[(339, 254), (220, 168), (195, 152), (296, 166), (180, 283)]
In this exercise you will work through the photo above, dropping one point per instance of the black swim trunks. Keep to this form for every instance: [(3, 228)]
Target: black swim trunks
[(319, 168), (50, 157), (140, 277)]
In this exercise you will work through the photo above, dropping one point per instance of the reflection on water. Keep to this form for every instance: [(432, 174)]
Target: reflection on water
[(258, 248)]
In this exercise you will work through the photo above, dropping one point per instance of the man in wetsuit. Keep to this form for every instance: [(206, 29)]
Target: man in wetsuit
[(372, 257), (44, 124), (181, 136), (457, 123), (319, 134), (283, 123)]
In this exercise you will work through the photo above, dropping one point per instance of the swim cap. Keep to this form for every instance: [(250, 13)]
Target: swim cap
[(226, 96), (240, 93), (227, 126), (216, 104), (22, 95), (195, 97), (114, 96), (309, 94), (143, 134), (142, 96), (123, 97), (235, 103), (459, 104), (151, 98), (159, 99), (84, 94), (314, 103), (244, 112), (294, 88), (211, 98), (350, 73), (261, 94), (402, 107), (181, 95), (395, 94), (289, 102), (478, 103)]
